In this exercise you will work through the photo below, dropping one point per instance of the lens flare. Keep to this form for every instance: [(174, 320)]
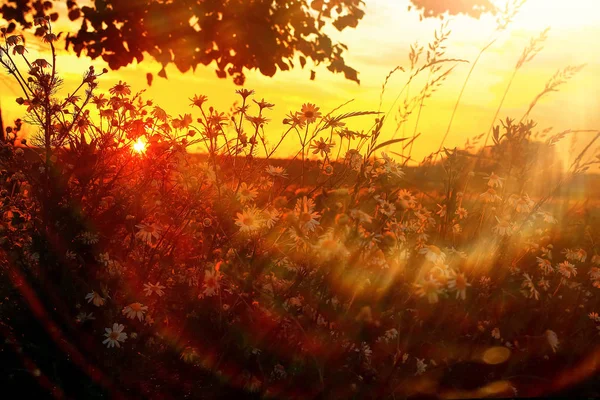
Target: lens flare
[(139, 146), (496, 355)]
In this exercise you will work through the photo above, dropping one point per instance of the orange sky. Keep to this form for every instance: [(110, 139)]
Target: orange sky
[(381, 42)]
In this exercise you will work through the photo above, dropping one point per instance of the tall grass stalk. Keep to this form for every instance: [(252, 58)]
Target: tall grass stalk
[(529, 53)]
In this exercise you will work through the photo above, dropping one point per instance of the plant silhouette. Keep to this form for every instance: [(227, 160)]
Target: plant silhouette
[(237, 35)]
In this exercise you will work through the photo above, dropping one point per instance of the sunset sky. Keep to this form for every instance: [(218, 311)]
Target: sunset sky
[(379, 43)]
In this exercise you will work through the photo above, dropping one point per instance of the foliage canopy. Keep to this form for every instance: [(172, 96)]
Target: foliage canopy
[(238, 35)]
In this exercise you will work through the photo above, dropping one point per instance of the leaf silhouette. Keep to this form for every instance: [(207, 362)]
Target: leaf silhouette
[(238, 35)]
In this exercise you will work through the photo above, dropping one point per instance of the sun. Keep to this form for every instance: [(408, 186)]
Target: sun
[(139, 146)]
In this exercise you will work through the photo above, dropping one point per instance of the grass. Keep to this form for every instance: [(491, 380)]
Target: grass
[(349, 270)]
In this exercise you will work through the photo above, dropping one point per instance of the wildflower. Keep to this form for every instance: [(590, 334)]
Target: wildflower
[(114, 336), (82, 124), (567, 269), (580, 255), (13, 40), (406, 199), (249, 220), (295, 119), (529, 287), (157, 288), (552, 339), (160, 114), (83, 317), (524, 205), (120, 89), (209, 171), (246, 193), (433, 253), (19, 49), (49, 38), (504, 227), (321, 147), (440, 271), (334, 122), (354, 159), (89, 238), (490, 196), (547, 251), (135, 310), (41, 63), (442, 210), (459, 283), (183, 121), (391, 167), (389, 335), (366, 352), (545, 265), (189, 355), (198, 100), (211, 283), (263, 104), (544, 284), (306, 215), (271, 215), (276, 171), (386, 208), (421, 366), (309, 113), (95, 299), (148, 320), (258, 120), (493, 180), (147, 233), (594, 316), (429, 288), (327, 169)]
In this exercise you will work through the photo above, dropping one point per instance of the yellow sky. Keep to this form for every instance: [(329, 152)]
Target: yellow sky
[(381, 42)]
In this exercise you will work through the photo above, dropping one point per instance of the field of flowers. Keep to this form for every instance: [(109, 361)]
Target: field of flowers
[(131, 266)]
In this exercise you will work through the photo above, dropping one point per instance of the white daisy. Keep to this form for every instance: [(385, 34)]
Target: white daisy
[(114, 336), (135, 310), (95, 299), (157, 288)]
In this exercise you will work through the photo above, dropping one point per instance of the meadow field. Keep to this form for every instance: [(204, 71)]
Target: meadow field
[(145, 255)]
